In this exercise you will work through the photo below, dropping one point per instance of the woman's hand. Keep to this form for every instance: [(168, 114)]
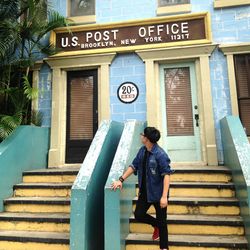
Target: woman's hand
[(164, 202), (116, 184)]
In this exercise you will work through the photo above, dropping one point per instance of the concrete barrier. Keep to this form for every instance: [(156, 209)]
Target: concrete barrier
[(87, 194), (236, 150), (25, 149), (118, 205)]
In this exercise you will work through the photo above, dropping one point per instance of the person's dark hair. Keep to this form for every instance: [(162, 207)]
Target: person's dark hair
[(152, 134)]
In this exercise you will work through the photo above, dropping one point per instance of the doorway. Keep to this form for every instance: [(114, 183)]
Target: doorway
[(180, 112), (82, 113)]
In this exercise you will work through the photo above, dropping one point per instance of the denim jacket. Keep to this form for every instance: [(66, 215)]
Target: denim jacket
[(156, 168)]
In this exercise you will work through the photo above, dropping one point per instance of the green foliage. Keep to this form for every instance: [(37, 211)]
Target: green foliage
[(24, 29), (31, 93), (36, 118), (9, 123)]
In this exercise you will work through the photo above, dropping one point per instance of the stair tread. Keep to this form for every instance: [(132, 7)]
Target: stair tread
[(201, 219), (37, 200), (35, 236), (40, 234), (196, 200), (188, 239), (203, 198), (201, 184), (44, 185), (53, 171), (8, 216), (202, 168)]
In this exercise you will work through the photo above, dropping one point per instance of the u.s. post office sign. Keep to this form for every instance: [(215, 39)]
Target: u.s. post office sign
[(128, 36)]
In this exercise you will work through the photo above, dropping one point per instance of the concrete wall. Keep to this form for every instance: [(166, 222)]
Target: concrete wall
[(118, 204), (87, 194), (25, 149)]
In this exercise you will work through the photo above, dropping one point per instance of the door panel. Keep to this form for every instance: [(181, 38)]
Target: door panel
[(81, 114), (178, 101), (181, 133)]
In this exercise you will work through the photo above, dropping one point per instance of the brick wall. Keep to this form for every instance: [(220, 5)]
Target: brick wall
[(229, 25), (127, 68), (44, 101), (121, 10)]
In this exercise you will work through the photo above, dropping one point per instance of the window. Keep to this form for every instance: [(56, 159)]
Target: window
[(166, 7), (231, 3), (82, 8), (81, 11), (172, 2), (242, 71)]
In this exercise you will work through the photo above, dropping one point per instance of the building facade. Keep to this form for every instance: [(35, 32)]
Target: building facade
[(179, 65)]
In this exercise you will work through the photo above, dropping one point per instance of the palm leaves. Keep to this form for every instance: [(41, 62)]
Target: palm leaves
[(24, 26), (31, 93), (8, 123)]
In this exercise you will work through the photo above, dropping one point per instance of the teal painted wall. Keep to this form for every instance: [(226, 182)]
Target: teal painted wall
[(118, 205), (25, 149), (236, 150), (87, 194)]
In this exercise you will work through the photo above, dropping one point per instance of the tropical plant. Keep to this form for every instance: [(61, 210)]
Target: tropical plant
[(24, 29)]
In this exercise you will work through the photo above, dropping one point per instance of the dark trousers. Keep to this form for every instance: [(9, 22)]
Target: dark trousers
[(160, 221)]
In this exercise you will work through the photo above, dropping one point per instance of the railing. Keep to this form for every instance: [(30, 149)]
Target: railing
[(236, 149), (118, 205), (25, 149), (87, 194)]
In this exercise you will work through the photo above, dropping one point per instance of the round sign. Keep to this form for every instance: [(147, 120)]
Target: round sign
[(127, 92)]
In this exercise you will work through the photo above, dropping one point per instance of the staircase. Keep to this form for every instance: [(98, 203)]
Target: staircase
[(37, 216), (203, 213)]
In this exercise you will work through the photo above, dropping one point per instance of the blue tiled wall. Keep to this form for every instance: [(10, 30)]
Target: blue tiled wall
[(121, 10), (44, 101), (128, 68), (220, 94), (229, 25)]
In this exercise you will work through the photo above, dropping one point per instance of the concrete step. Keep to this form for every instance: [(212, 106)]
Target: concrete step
[(201, 189), (51, 175), (200, 205), (43, 189), (195, 224), (201, 174), (50, 222), (26, 240), (37, 205), (187, 242)]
